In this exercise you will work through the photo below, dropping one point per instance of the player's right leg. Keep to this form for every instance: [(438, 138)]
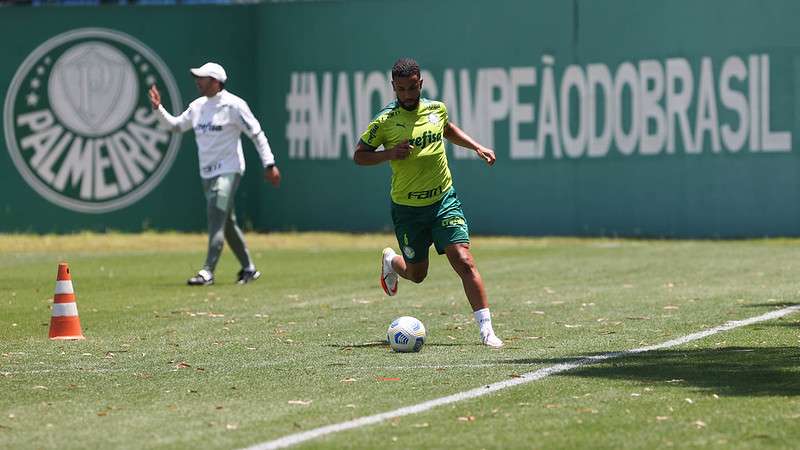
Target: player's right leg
[(414, 240), (217, 191), (389, 276), (394, 266)]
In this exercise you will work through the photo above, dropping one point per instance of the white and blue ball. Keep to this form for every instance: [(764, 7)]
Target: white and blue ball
[(406, 334)]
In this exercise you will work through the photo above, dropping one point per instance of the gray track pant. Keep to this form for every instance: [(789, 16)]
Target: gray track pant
[(220, 192)]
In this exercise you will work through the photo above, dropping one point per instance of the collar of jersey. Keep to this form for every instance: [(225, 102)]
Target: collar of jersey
[(218, 96)]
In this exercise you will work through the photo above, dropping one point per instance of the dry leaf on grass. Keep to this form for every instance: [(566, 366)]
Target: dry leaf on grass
[(300, 402), (466, 418)]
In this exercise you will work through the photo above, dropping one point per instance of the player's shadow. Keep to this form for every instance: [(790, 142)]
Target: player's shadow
[(383, 344), (728, 371)]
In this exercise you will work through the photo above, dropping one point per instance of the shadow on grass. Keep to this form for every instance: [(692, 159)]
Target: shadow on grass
[(783, 323), (381, 344), (730, 371), (772, 304)]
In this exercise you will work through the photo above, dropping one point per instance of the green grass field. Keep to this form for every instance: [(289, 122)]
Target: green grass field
[(165, 365)]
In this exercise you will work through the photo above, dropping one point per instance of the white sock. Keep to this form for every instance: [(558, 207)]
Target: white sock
[(250, 268), (484, 319)]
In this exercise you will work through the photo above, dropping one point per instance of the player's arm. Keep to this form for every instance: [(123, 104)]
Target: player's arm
[(167, 120), (250, 126), (365, 155), (457, 136)]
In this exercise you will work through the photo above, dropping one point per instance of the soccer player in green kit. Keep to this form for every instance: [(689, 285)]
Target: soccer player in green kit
[(425, 209)]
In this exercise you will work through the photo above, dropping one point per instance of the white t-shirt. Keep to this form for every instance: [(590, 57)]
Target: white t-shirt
[(217, 122)]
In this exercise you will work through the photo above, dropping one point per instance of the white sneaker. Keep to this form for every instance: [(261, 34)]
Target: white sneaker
[(493, 341), (388, 276)]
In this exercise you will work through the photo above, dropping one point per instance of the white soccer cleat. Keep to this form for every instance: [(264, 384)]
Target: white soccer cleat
[(492, 341), (388, 276)]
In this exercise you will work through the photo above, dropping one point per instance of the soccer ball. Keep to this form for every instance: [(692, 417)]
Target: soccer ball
[(406, 334)]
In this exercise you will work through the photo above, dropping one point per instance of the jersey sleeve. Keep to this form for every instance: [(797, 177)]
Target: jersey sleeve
[(374, 135), (252, 128), (170, 122)]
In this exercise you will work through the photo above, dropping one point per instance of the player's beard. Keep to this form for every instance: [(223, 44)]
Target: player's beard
[(409, 107)]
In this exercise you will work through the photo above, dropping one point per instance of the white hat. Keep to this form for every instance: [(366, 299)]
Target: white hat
[(212, 70)]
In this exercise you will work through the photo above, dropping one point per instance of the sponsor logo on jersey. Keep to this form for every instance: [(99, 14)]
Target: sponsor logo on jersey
[(427, 138), (421, 195), (78, 125)]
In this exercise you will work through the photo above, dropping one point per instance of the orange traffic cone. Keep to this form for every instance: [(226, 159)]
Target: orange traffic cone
[(65, 324)]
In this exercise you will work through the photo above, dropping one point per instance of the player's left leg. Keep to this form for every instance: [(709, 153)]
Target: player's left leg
[(451, 237), (464, 264), (235, 239)]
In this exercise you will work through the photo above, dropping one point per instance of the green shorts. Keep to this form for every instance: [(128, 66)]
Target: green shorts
[(417, 227)]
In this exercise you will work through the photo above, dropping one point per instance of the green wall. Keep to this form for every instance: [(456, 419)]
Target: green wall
[(702, 96), (182, 38)]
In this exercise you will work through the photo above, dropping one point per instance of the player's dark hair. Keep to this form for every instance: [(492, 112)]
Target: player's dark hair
[(405, 67)]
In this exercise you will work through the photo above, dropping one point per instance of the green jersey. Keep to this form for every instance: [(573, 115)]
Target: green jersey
[(423, 177)]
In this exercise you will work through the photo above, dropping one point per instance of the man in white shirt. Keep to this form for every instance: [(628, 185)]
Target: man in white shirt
[(218, 118)]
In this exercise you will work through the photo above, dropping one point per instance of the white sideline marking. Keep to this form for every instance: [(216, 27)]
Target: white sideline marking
[(297, 438)]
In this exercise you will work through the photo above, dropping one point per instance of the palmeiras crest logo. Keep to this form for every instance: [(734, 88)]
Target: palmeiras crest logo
[(78, 124)]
